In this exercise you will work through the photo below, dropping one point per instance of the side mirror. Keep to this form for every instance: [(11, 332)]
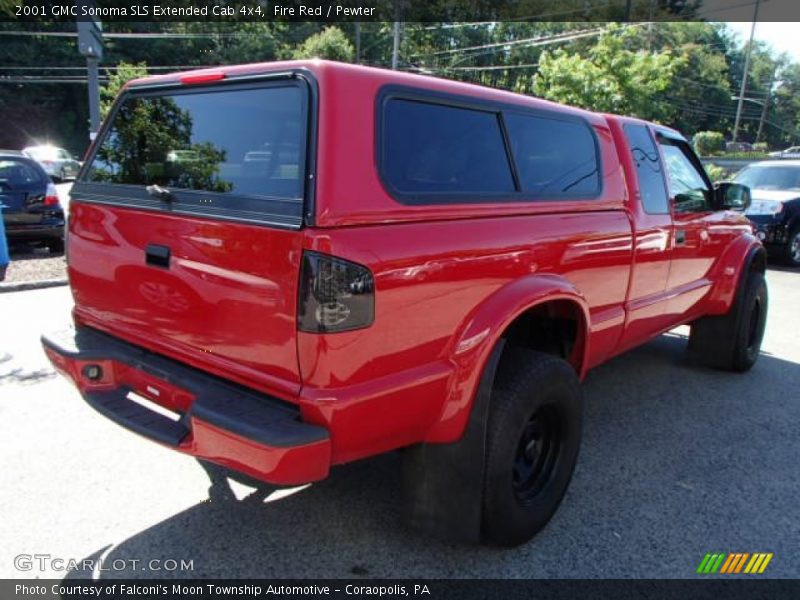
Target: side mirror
[(731, 196)]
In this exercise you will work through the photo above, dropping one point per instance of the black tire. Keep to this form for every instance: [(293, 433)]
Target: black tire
[(791, 251), (732, 342), (532, 442), (56, 246)]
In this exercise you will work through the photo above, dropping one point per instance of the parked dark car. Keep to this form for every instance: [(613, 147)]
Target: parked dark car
[(775, 208), (31, 210), (57, 162)]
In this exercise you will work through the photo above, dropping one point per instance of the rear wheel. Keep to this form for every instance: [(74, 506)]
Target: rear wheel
[(533, 438), (791, 252), (733, 341)]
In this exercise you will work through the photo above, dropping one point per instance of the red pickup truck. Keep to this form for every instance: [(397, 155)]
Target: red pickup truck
[(287, 266)]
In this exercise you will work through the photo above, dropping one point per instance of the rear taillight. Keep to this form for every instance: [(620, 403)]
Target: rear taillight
[(335, 295), (51, 197)]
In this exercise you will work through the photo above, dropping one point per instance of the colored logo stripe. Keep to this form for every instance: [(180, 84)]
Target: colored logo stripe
[(734, 562), (710, 563), (758, 563)]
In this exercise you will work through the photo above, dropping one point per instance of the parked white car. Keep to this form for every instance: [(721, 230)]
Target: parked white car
[(793, 152)]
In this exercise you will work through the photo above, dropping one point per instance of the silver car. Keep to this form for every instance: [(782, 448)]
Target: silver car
[(57, 162), (793, 152)]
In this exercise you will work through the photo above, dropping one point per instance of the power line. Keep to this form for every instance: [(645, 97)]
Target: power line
[(109, 68), (133, 35), (492, 68), (36, 80), (534, 41)]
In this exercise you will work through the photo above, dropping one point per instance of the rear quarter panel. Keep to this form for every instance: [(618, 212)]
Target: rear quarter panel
[(399, 381)]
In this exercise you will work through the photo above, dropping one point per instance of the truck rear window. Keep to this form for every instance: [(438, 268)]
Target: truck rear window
[(239, 142)]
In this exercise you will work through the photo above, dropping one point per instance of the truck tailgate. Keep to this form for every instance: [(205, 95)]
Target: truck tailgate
[(225, 299)]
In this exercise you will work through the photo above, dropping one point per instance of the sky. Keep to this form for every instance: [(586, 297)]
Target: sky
[(783, 37)]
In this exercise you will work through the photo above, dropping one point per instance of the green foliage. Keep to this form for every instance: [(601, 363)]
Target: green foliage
[(761, 147), (125, 72), (610, 77), (144, 132), (717, 173), (708, 143), (151, 141), (7, 8), (330, 43)]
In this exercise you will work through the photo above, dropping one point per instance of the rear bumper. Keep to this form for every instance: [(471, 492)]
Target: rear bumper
[(215, 420), (35, 232)]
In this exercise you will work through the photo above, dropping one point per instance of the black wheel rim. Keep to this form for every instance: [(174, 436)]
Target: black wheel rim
[(537, 454), (794, 248), (754, 326)]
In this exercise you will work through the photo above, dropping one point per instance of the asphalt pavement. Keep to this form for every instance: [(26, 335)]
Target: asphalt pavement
[(677, 461)]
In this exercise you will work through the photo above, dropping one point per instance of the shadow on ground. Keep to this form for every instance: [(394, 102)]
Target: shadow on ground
[(676, 461), (10, 374)]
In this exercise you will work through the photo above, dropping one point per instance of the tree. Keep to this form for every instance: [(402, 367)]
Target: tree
[(610, 78), (330, 43), (116, 81), (709, 142)]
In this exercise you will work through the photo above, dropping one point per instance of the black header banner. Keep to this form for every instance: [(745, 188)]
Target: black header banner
[(231, 11), (436, 589)]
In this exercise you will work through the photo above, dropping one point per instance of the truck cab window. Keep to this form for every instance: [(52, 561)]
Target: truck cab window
[(648, 169), (687, 185)]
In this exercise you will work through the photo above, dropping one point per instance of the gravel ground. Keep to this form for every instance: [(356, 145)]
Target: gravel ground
[(34, 264)]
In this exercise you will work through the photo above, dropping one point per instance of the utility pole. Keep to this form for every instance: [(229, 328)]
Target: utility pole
[(744, 75), (395, 45), (763, 115), (764, 109), (358, 42), (90, 45)]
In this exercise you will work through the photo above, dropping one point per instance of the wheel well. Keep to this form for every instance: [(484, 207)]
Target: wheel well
[(556, 327)]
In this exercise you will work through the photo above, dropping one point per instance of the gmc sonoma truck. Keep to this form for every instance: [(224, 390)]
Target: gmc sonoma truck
[(287, 266)]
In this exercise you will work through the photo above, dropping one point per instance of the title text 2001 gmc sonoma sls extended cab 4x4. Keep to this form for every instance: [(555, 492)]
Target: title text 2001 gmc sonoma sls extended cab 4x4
[(309, 263)]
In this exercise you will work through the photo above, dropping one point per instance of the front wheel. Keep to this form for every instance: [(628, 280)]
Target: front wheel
[(791, 252), (732, 342), (533, 438)]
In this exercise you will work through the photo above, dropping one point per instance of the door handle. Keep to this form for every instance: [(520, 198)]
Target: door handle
[(680, 237), (158, 256)]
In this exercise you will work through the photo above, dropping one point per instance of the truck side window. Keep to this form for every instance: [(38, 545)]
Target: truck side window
[(686, 183), (433, 148), (555, 157), (648, 169)]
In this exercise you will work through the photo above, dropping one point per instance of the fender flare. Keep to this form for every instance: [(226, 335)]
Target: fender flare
[(443, 482), (737, 260), (472, 345)]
